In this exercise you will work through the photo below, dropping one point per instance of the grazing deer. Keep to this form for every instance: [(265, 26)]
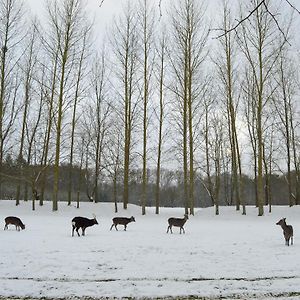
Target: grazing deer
[(121, 221), (83, 223), (177, 222), (287, 231), (14, 221)]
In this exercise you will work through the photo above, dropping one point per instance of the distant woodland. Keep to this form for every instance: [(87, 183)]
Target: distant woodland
[(171, 190), (173, 109)]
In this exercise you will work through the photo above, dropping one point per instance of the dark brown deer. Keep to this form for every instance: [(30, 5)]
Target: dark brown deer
[(83, 223), (121, 221), (287, 231), (14, 221), (177, 222)]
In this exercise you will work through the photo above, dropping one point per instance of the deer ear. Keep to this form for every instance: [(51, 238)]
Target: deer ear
[(94, 216)]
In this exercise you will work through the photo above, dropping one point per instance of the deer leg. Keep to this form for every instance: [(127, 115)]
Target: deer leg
[(83, 231), (125, 226), (73, 228), (77, 230), (292, 240), (5, 227), (168, 229), (111, 226)]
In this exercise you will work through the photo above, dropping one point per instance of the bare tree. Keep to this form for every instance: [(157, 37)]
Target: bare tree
[(146, 20), (49, 94), (124, 45), (98, 117), (255, 42), (65, 20), (29, 68), (162, 49), (11, 12), (32, 125), (226, 65), (190, 38), (285, 108), (208, 106), (79, 88)]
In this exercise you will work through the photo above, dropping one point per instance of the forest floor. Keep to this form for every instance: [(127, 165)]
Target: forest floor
[(229, 256)]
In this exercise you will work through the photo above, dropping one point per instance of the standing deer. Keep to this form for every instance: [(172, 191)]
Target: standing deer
[(287, 231), (14, 221), (177, 222), (121, 221), (83, 223)]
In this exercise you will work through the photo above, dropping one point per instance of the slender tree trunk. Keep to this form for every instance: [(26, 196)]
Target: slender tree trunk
[(260, 188), (185, 139), (20, 156), (160, 130), (126, 56), (191, 138), (145, 120), (4, 50), (49, 127), (58, 135), (74, 115), (127, 137), (29, 70), (66, 42), (115, 192)]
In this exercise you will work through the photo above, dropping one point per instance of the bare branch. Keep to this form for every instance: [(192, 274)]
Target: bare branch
[(159, 5), (292, 6), (240, 21), (102, 1), (262, 2), (276, 22)]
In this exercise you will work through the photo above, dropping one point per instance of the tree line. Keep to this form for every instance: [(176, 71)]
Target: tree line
[(171, 188), (160, 95)]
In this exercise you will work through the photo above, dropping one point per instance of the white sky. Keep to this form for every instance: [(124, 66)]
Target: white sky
[(103, 15)]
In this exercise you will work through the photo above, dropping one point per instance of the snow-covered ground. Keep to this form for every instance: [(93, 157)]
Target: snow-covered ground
[(230, 255)]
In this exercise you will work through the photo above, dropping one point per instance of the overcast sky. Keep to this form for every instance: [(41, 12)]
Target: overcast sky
[(103, 15), (110, 8)]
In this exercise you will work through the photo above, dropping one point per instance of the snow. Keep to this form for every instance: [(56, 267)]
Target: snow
[(229, 255)]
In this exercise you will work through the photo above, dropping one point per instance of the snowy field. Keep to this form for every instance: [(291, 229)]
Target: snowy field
[(220, 257)]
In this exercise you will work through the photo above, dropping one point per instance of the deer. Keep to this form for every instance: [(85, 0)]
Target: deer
[(14, 221), (177, 222), (83, 223), (122, 221), (287, 231)]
